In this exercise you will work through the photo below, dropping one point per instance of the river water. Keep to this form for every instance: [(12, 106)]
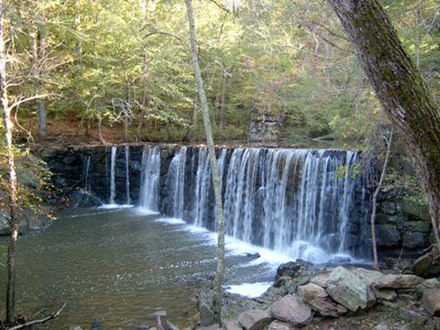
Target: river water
[(118, 266)]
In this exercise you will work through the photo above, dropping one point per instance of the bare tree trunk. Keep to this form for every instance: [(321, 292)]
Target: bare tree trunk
[(12, 178), (218, 282), (101, 138), (388, 140), (78, 28), (195, 110), (403, 94)]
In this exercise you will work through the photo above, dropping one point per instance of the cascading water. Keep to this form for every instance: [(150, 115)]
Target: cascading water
[(149, 192), (296, 202), (291, 201), (127, 174), (86, 172), (112, 175), (176, 184)]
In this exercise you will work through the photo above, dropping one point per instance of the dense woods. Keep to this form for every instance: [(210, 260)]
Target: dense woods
[(287, 62)]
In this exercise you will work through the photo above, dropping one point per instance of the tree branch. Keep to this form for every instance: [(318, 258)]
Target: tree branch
[(183, 41), (35, 97), (50, 317)]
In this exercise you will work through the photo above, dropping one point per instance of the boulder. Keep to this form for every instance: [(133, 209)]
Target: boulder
[(206, 314), (431, 301), (397, 281), (278, 325), (432, 283), (349, 290), (311, 291), (254, 319), (292, 268), (428, 265), (366, 275), (327, 307), (292, 310), (385, 294), (320, 279)]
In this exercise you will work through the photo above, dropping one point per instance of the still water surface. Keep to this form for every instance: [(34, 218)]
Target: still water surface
[(119, 266)]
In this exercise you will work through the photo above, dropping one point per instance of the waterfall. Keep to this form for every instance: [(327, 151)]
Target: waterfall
[(150, 177), (176, 184), (86, 172), (112, 176), (127, 174), (296, 202), (290, 201)]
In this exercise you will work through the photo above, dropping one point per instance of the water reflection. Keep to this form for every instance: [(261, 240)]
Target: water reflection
[(117, 266)]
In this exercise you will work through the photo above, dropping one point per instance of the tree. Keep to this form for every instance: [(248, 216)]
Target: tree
[(12, 177), (402, 92), (218, 282)]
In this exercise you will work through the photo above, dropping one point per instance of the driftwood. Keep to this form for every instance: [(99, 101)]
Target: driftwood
[(44, 320)]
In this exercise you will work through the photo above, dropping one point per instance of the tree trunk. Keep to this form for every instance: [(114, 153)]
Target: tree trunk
[(389, 140), (403, 94), (41, 54), (12, 178), (218, 282)]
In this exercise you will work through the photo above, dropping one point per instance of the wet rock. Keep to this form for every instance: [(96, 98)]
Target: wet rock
[(327, 307), (254, 319), (292, 310), (414, 240), (428, 265), (278, 325), (311, 291), (397, 281), (292, 268), (83, 198), (387, 235), (431, 301), (349, 290)]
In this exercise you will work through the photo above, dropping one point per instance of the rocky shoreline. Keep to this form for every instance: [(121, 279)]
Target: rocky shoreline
[(327, 297)]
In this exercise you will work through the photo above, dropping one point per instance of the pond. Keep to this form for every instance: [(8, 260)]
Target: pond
[(118, 266)]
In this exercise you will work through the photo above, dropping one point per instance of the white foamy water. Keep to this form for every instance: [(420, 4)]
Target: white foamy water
[(144, 211), (251, 290), (115, 206)]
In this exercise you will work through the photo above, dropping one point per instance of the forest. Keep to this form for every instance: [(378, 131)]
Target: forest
[(307, 128)]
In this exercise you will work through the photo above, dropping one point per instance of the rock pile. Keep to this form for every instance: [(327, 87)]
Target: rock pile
[(303, 292)]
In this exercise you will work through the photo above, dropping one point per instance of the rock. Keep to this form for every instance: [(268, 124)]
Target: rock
[(432, 283), (414, 240), (206, 314), (349, 290), (381, 326), (292, 268), (213, 327), (254, 319), (366, 275), (311, 291), (4, 223), (83, 198), (385, 294), (321, 279), (431, 301), (389, 208), (292, 310), (428, 265), (327, 307), (278, 325), (387, 235), (231, 325), (397, 281), (75, 327)]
